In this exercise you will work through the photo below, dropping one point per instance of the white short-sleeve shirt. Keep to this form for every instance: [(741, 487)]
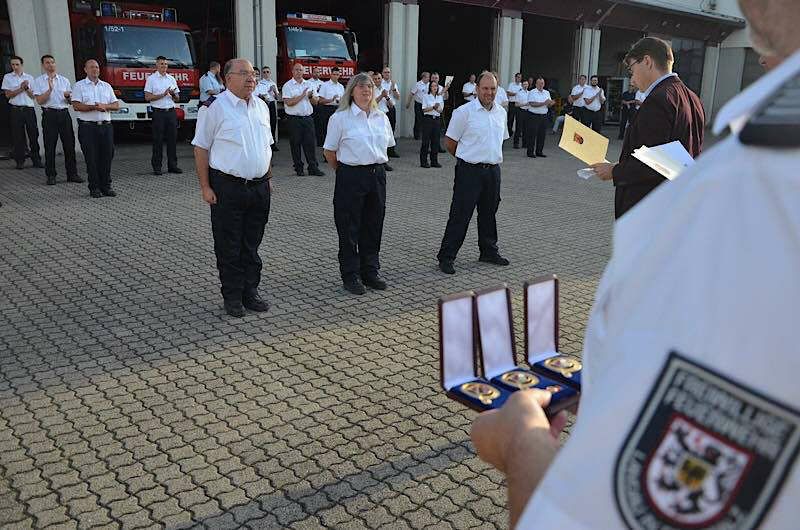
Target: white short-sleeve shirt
[(89, 93), (57, 100), (598, 101), (293, 89), (479, 132), (576, 93), (387, 86), (515, 88), (501, 98), (236, 134), (537, 96), (12, 81), (264, 88), (382, 105), (522, 99), (314, 84), (209, 82), (157, 84), (358, 138), (429, 100), (468, 90), (419, 90), (331, 90)]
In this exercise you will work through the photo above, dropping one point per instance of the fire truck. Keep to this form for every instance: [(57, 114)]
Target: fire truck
[(126, 38), (315, 40)]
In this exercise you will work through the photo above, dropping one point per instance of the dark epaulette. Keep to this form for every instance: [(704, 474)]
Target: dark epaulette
[(208, 102), (777, 123)]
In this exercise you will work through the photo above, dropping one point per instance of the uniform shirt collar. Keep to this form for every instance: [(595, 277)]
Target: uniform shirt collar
[(657, 81), (356, 110), (737, 111), (476, 103), (165, 74), (234, 99)]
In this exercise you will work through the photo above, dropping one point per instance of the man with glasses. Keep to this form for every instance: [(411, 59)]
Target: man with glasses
[(267, 90), (298, 95), (161, 91), (330, 94), (233, 160), (670, 112)]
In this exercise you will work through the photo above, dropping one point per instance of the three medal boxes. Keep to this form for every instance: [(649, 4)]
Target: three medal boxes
[(481, 321)]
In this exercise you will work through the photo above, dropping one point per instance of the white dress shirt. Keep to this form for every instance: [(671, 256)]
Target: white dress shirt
[(331, 90), (387, 86), (264, 88), (88, 93), (479, 132), (429, 100), (730, 307), (291, 89), (12, 81), (209, 82), (514, 87), (419, 90), (578, 91), (237, 136), (640, 97), (591, 91), (538, 96), (157, 84), (315, 84), (501, 98), (522, 99), (382, 105), (468, 90), (60, 85), (358, 138)]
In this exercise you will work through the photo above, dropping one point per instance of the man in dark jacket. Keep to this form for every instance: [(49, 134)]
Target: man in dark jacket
[(670, 112)]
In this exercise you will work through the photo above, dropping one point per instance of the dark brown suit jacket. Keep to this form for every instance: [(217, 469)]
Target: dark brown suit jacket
[(671, 112)]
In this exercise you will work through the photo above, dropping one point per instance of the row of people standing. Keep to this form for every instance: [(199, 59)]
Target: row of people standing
[(92, 98)]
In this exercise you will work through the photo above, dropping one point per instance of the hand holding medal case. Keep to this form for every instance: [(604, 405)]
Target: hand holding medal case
[(541, 334), (458, 372), (496, 334)]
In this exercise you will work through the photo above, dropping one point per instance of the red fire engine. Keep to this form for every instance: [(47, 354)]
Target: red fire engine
[(126, 38), (315, 40)]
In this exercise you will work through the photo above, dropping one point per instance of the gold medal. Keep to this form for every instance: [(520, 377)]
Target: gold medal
[(519, 379), (564, 365), (481, 391)]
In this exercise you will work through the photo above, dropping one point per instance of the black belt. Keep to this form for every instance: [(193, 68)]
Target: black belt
[(46, 109), (19, 106), (293, 116), (432, 117), (481, 165), (88, 122), (235, 179), (163, 110), (363, 166)]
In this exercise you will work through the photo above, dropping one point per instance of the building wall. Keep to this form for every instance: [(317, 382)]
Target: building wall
[(728, 8)]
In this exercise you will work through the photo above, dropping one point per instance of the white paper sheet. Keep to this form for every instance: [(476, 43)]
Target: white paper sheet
[(587, 173), (669, 160)]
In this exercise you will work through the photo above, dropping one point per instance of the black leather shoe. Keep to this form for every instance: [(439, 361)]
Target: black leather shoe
[(531, 156), (541, 155), (51, 181), (387, 167), (300, 173), (355, 287), (157, 172), (435, 164), (374, 281), (175, 170), (393, 154), (516, 146), (316, 172), (95, 194), (21, 166), (446, 266), (38, 165), (255, 303), (234, 308), (76, 178), (497, 260), (424, 164), (275, 148), (108, 193)]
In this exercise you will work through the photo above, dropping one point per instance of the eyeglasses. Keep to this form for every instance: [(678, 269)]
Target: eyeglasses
[(252, 74), (629, 66)]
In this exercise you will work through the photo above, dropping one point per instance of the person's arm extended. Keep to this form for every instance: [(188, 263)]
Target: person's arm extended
[(520, 442), (330, 156), (201, 166), (451, 145)]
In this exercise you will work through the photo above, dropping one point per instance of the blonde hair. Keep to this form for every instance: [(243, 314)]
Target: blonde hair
[(361, 78)]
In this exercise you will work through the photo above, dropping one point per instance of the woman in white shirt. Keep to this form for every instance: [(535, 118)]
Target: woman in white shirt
[(432, 106), (355, 147)]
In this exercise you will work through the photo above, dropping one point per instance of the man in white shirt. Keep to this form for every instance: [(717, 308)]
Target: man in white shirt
[(298, 95), (469, 88), (417, 92), (704, 428), (444, 91), (521, 130), (513, 87), (315, 82), (18, 89), (576, 98), (475, 137), (393, 98), (382, 101), (233, 159), (267, 90), (210, 83), (330, 94), (93, 98), (593, 99), (539, 102), (501, 98), (52, 91), (161, 91)]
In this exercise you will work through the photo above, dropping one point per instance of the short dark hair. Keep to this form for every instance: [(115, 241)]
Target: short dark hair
[(594, 77), (657, 49), (18, 58), (212, 64), (335, 70), (540, 77), (47, 56), (161, 58), (582, 75), (265, 67), (430, 88)]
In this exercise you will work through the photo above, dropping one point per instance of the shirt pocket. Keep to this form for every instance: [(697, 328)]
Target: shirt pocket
[(231, 132)]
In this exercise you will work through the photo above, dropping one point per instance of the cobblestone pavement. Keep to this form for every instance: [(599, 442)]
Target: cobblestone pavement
[(129, 399)]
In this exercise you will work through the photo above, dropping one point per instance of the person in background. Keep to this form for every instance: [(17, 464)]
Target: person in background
[(521, 132), (575, 98), (539, 102), (432, 106), (382, 102), (468, 90), (501, 98), (419, 90), (330, 95), (627, 109), (513, 87), (18, 88), (392, 99), (211, 83), (161, 91), (267, 90), (298, 95), (593, 99)]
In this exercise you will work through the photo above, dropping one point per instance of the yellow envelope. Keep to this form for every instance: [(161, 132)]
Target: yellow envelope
[(582, 142)]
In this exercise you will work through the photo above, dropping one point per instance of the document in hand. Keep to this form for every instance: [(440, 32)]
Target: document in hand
[(669, 160), (582, 142), (448, 79)]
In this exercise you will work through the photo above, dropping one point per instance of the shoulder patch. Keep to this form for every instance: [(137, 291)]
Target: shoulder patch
[(777, 122), (209, 101), (705, 451)]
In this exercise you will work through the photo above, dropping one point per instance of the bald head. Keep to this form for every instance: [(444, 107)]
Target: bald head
[(773, 26)]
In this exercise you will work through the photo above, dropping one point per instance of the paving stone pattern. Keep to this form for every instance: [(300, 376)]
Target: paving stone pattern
[(128, 399)]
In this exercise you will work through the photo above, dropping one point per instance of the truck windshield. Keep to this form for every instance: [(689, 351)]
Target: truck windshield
[(302, 42), (140, 45)]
